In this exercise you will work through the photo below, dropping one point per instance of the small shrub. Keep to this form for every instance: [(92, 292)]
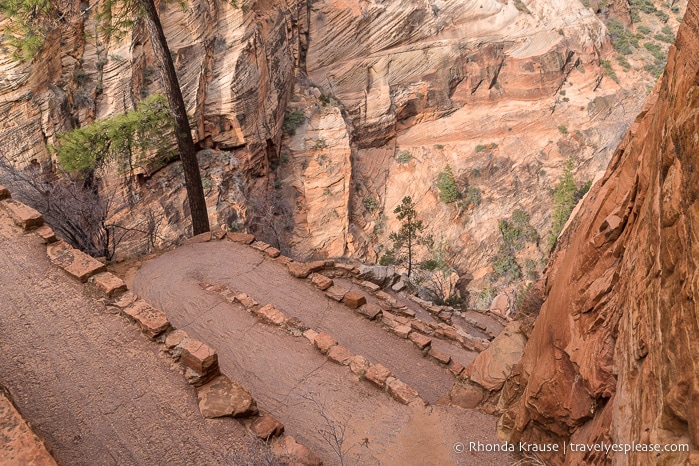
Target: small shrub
[(292, 121), (644, 30), (404, 157), (446, 183), (608, 71), (370, 204), (623, 62), (563, 129), (320, 144), (480, 148)]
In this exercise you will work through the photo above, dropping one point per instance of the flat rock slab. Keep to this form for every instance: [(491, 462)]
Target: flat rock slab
[(46, 234), (321, 282), (108, 283), (324, 342), (23, 215), (402, 330), (420, 340), (83, 266), (152, 322), (289, 451), (370, 311), (336, 292), (245, 300), (19, 445), (440, 356), (271, 315), (199, 357), (259, 245), (242, 238), (377, 374), (370, 286), (175, 338), (401, 392), (359, 365), (304, 269), (4, 193), (339, 354), (222, 397), (353, 300), (266, 427)]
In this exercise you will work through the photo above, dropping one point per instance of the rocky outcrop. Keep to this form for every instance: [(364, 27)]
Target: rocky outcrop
[(614, 354)]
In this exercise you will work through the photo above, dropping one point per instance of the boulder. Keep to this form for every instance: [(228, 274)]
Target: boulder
[(491, 368), (353, 300), (223, 397), (378, 274), (500, 304), (289, 451), (266, 427), (377, 374), (199, 357), (466, 395), (273, 252), (22, 215)]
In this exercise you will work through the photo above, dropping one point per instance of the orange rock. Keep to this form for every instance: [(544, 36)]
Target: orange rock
[(199, 356), (23, 215), (353, 300)]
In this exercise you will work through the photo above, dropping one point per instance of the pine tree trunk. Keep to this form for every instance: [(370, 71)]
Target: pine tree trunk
[(185, 144)]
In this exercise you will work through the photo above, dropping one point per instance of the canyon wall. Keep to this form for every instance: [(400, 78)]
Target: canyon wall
[(614, 354), (388, 94)]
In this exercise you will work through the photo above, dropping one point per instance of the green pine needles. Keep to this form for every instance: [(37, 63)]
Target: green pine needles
[(129, 139), (28, 26)]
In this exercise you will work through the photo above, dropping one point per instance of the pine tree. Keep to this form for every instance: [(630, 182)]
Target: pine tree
[(405, 239)]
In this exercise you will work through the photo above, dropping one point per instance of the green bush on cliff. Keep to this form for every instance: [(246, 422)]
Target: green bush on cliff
[(446, 183), (126, 139), (564, 200)]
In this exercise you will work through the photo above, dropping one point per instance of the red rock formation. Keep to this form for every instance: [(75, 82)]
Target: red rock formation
[(614, 354)]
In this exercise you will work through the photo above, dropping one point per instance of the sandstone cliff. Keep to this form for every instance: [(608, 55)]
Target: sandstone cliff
[(503, 92), (614, 355)]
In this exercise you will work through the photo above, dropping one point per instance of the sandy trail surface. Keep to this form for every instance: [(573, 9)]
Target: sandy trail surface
[(284, 372), (88, 381)]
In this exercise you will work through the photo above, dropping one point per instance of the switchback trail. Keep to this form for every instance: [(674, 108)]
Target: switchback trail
[(283, 372)]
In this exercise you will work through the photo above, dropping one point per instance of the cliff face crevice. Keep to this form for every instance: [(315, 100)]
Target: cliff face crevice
[(614, 354)]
